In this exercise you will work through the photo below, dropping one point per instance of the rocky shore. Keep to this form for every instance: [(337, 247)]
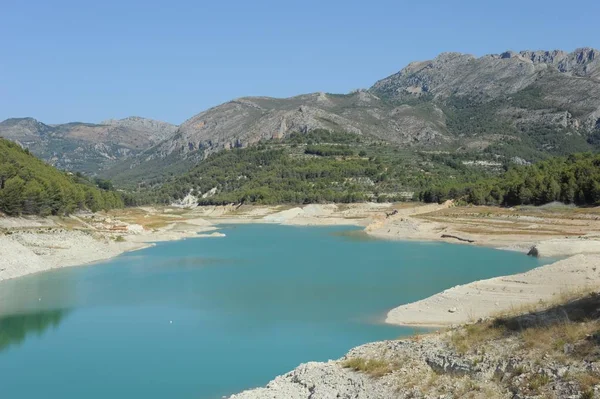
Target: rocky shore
[(550, 353)]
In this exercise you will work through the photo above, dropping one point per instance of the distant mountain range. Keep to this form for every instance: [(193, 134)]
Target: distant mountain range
[(87, 147), (524, 104)]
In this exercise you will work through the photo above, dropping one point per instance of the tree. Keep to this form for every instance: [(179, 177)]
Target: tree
[(33, 197), (11, 196)]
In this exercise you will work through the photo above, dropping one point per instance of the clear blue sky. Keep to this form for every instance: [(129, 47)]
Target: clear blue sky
[(67, 60)]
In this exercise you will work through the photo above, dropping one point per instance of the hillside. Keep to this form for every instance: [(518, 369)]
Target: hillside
[(29, 186), (313, 167), (572, 180), (86, 147), (526, 105), (423, 104)]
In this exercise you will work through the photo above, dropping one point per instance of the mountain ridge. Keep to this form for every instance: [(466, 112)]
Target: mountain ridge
[(86, 147), (526, 104)]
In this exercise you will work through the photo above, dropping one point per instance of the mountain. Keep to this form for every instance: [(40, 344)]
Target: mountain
[(413, 106), (247, 121), (550, 87), (490, 76), (522, 106), (86, 147), (514, 106)]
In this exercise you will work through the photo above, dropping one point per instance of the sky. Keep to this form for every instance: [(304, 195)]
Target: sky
[(67, 60)]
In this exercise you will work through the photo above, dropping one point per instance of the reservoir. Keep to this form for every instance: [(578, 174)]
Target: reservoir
[(207, 317)]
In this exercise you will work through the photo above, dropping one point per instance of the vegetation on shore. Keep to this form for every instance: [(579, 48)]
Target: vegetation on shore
[(372, 367), (315, 167), (574, 179), (28, 186)]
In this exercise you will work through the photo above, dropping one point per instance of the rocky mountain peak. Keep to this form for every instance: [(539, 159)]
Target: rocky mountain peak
[(544, 57), (91, 146), (23, 128), (486, 77), (586, 54)]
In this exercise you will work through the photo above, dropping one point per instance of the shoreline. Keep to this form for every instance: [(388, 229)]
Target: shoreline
[(33, 245), (482, 299)]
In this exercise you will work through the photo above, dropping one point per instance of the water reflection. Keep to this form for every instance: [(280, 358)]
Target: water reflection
[(15, 328), (354, 235)]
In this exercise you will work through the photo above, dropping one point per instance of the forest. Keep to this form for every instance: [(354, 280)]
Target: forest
[(28, 186), (315, 167), (572, 179)]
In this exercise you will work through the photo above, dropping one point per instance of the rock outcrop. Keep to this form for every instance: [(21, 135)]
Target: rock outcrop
[(490, 76)]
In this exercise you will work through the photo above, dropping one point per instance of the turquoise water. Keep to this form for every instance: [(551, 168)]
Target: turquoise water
[(202, 318)]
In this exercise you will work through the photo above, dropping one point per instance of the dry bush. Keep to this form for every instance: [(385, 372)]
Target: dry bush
[(372, 367)]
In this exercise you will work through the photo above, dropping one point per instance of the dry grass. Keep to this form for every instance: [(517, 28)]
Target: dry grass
[(473, 336), (486, 220), (559, 299), (544, 338), (573, 213), (549, 339), (372, 367), (537, 382), (586, 381), (146, 219), (69, 223)]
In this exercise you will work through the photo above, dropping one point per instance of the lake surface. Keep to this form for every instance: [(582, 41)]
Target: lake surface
[(206, 317)]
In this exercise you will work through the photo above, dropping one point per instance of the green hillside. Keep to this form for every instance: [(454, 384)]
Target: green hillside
[(31, 187), (574, 179), (319, 166)]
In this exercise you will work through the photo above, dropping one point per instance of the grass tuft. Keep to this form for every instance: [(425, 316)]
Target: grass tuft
[(474, 336), (537, 382), (372, 367)]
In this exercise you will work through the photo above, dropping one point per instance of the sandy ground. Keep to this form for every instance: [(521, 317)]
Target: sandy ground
[(554, 232), (501, 295)]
